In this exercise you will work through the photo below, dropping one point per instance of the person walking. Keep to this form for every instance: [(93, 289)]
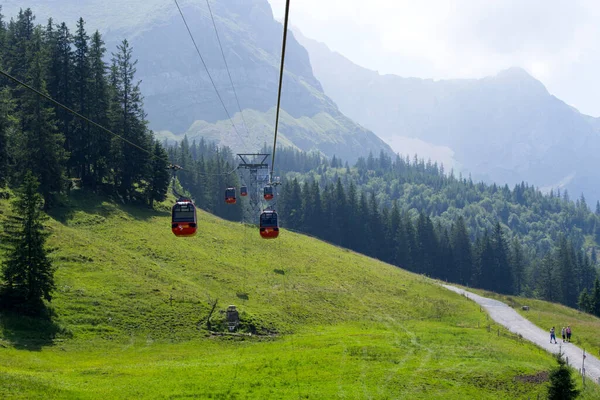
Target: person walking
[(564, 334), (568, 334), (552, 335)]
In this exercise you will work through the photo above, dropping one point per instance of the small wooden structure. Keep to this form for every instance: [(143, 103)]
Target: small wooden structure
[(233, 318)]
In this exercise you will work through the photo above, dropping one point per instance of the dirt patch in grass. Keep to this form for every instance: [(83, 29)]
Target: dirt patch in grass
[(540, 377)]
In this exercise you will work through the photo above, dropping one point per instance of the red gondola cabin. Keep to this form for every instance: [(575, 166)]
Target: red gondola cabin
[(269, 227), (243, 191), (183, 218), (268, 193), (230, 196)]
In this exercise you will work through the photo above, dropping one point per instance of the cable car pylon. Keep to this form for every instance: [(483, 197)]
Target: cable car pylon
[(254, 165)]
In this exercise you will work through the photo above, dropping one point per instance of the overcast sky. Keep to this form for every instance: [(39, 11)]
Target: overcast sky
[(557, 41)]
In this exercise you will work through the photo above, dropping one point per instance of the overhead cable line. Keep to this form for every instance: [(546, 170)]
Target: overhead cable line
[(221, 174), (207, 71), (83, 117), (285, 25), (179, 168), (227, 67)]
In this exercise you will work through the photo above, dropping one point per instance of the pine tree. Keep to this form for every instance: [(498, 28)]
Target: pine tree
[(59, 83), (545, 278), (502, 269), (7, 125), (518, 262), (18, 38), (27, 271), (294, 205), (562, 386), (365, 226), (585, 302), (426, 246), (80, 153), (158, 181), (128, 119), (2, 35), (340, 213), (462, 252), (99, 104), (41, 144), (446, 268), (406, 243), (595, 309), (376, 242), (486, 263), (566, 273), (352, 235)]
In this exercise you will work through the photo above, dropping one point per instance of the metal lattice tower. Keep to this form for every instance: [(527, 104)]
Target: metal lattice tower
[(254, 173)]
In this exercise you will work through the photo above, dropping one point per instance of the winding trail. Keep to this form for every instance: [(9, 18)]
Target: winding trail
[(514, 322)]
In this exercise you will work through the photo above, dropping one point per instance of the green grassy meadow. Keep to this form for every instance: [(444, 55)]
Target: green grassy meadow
[(132, 302)]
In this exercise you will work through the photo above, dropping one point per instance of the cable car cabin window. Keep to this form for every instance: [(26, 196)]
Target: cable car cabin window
[(268, 220), (183, 213), (230, 196)]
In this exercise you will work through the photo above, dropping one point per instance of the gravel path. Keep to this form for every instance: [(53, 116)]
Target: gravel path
[(514, 322)]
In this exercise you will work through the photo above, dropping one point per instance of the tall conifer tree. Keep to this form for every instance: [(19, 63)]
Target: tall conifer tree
[(158, 181), (128, 118), (41, 144), (462, 251), (80, 154), (7, 125), (27, 271), (99, 104)]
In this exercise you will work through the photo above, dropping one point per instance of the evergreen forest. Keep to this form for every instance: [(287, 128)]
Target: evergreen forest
[(408, 212), (413, 214), (61, 150)]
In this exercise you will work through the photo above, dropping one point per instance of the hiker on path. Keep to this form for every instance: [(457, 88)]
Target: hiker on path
[(564, 334), (552, 336), (568, 334)]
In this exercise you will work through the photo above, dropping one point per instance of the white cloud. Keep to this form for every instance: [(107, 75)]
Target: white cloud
[(556, 41)]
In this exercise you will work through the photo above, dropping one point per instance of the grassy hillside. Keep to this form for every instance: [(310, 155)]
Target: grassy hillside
[(132, 303)]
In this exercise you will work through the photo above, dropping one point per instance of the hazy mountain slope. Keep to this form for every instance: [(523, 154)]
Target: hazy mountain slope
[(339, 136), (177, 89), (505, 128)]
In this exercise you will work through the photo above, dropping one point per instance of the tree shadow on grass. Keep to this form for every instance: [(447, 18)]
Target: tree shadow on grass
[(27, 332), (100, 205)]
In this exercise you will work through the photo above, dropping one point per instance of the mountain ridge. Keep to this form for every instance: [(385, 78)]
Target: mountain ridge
[(178, 91), (505, 128)]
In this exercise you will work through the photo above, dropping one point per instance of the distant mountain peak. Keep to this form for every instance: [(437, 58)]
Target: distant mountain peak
[(517, 76), (516, 72), (505, 127)]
